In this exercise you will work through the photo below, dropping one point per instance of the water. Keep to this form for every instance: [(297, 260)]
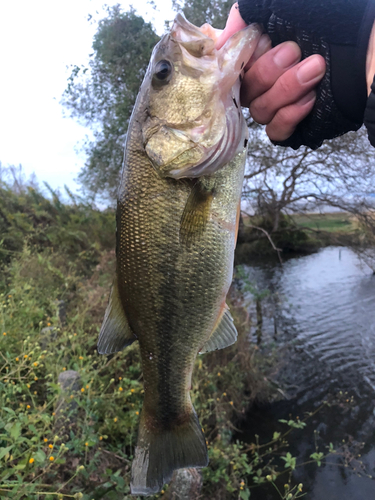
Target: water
[(321, 309)]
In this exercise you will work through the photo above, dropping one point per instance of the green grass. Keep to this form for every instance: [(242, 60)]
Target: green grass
[(41, 456), (331, 222), (86, 451)]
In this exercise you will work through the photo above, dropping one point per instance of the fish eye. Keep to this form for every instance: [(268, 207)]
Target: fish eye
[(163, 71)]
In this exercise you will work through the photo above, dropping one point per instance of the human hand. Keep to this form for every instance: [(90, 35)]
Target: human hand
[(276, 93), (277, 88)]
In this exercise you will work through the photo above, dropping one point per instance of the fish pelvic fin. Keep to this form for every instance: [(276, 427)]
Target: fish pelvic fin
[(224, 335), (197, 211), (115, 333), (160, 451)]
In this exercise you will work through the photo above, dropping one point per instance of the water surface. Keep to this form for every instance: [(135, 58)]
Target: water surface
[(321, 307)]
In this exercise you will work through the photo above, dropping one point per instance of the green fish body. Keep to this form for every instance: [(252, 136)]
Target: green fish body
[(177, 219)]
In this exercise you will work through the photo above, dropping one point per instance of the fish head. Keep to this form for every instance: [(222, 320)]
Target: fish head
[(193, 122)]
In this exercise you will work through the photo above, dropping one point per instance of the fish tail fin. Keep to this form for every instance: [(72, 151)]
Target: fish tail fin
[(160, 451)]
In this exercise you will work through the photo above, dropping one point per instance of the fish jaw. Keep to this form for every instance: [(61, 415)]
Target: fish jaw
[(195, 123)]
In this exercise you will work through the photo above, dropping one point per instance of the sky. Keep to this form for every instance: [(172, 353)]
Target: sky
[(39, 40)]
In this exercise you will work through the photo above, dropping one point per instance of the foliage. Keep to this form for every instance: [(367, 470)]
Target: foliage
[(103, 94), (80, 443), (199, 12), (76, 231)]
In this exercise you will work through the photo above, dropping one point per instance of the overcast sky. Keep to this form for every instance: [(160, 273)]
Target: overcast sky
[(38, 40)]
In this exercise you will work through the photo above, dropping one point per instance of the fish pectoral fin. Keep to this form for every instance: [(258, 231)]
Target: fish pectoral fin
[(115, 333), (224, 335), (196, 212)]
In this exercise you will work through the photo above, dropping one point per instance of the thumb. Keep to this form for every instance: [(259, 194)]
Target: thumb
[(234, 23)]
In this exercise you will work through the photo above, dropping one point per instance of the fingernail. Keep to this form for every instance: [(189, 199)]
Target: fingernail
[(310, 70), (307, 98), (288, 54)]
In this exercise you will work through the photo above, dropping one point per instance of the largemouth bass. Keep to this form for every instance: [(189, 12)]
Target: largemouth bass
[(177, 217)]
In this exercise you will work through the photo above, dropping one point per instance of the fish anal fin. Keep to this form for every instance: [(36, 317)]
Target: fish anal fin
[(115, 333), (161, 451), (224, 335), (196, 212)]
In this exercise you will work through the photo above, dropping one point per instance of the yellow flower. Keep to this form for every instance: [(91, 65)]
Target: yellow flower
[(35, 392), (64, 368), (87, 386), (231, 403), (31, 461), (242, 483), (75, 334), (35, 363), (26, 356), (28, 386), (217, 399), (131, 390), (137, 412), (81, 357), (86, 444), (53, 414), (9, 295), (83, 389), (224, 393), (28, 407), (120, 378), (71, 396), (4, 333), (218, 374), (51, 458), (48, 324), (45, 440), (115, 419), (120, 389), (101, 438), (50, 446), (162, 492), (35, 378), (17, 359)]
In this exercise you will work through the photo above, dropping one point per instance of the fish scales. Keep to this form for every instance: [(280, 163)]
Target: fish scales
[(176, 232)]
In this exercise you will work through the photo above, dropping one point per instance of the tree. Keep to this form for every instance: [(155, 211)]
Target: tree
[(199, 12), (279, 180), (103, 94)]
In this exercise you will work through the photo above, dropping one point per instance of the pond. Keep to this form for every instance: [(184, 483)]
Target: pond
[(321, 311)]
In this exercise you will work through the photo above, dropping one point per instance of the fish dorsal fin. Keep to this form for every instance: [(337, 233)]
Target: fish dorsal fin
[(224, 335), (115, 333), (196, 212)]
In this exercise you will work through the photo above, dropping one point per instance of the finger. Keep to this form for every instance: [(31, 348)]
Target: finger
[(234, 23), (286, 119), (288, 89), (267, 69), (264, 45)]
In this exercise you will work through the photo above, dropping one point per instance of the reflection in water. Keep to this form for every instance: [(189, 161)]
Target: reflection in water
[(323, 305)]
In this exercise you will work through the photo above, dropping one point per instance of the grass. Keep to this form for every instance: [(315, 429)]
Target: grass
[(57, 444), (87, 452), (331, 222)]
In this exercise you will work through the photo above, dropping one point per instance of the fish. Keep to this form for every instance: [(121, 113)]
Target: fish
[(177, 217)]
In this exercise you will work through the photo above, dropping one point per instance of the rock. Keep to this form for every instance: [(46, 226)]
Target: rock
[(47, 335), (69, 382), (186, 484), (61, 311)]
